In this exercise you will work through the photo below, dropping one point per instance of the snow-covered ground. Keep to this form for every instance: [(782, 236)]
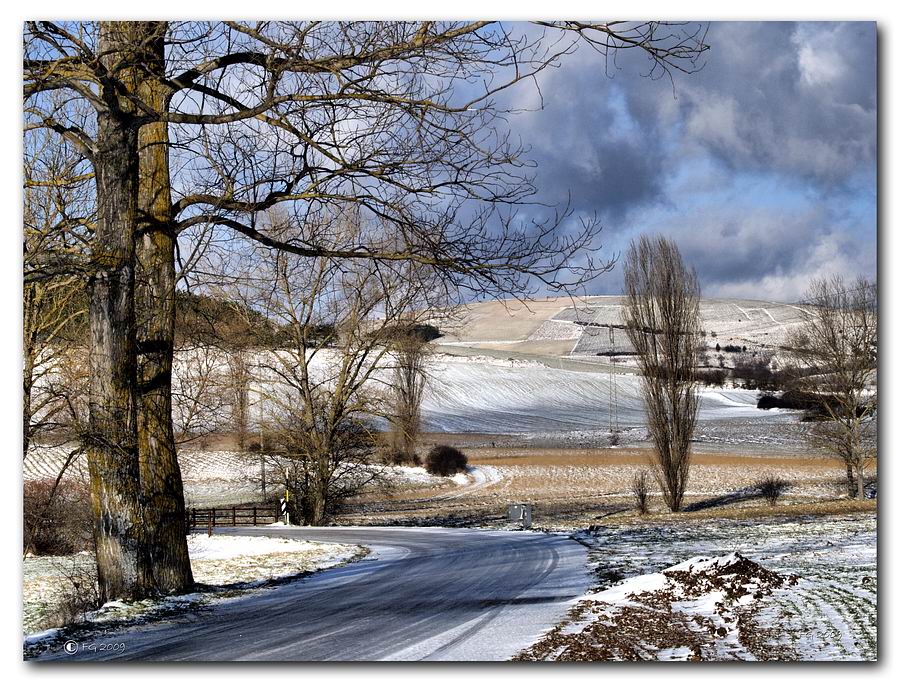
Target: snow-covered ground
[(224, 478), (582, 327), (815, 596), (492, 396), (693, 610), (218, 562), (740, 322)]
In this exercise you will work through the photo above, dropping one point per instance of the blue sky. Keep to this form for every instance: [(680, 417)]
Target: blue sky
[(761, 166)]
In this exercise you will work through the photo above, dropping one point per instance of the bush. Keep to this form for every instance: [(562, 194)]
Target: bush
[(640, 489), (395, 456), (445, 461), (759, 370), (61, 525), (712, 377), (82, 594), (771, 488)]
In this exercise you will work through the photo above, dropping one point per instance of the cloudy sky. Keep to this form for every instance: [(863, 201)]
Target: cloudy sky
[(762, 166)]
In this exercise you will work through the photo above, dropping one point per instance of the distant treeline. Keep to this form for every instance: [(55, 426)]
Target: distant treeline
[(213, 321)]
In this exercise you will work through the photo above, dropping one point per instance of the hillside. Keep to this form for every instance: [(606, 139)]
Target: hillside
[(588, 328)]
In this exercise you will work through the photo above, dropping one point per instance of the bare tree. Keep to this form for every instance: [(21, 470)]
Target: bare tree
[(640, 490), (54, 308), (201, 393), (410, 357), (239, 390), (330, 373), (837, 347), (397, 118), (662, 319)]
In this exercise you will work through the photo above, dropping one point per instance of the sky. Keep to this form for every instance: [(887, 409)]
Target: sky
[(761, 166)]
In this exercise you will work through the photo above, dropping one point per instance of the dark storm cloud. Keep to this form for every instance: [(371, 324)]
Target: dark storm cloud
[(763, 253), (586, 143), (795, 103), (797, 99)]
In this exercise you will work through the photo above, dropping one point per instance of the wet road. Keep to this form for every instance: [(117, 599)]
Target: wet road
[(422, 594)]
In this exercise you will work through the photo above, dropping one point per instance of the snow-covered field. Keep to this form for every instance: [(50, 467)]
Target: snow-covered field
[(809, 592), (218, 562), (229, 478), (224, 478), (580, 327), (483, 395), (742, 322)]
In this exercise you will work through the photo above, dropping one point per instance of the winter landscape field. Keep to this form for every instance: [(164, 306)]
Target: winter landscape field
[(442, 340), (538, 433)]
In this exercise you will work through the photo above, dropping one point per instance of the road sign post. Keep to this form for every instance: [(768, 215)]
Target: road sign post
[(284, 508), (520, 513)]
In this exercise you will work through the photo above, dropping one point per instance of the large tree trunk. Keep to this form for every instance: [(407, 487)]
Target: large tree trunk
[(160, 475), (122, 563)]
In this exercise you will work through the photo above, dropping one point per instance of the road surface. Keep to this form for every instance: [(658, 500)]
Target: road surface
[(422, 594)]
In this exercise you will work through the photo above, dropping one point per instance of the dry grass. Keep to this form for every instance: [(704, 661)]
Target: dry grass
[(599, 457), (759, 510), (577, 487)]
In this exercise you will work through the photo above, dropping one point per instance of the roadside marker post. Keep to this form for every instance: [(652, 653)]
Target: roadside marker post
[(520, 513), (284, 508)]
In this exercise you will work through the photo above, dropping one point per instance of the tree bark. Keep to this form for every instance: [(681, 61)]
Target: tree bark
[(28, 353), (122, 563), (160, 475)]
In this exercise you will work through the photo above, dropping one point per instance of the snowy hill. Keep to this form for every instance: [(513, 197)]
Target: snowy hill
[(585, 327), (503, 397)]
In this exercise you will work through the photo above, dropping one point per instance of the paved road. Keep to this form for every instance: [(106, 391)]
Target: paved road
[(445, 594)]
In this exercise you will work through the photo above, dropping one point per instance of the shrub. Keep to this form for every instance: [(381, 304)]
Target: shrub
[(82, 594), (712, 377), (640, 489), (445, 461), (771, 488), (57, 522), (759, 370), (395, 456)]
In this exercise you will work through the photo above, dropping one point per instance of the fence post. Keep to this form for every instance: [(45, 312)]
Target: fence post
[(233, 516), (209, 525), (254, 515)]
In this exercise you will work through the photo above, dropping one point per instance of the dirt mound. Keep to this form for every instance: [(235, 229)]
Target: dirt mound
[(696, 610)]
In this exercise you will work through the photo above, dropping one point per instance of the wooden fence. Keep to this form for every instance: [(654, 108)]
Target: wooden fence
[(206, 518)]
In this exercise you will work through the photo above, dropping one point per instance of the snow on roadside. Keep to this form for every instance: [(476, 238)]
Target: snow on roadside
[(831, 612), (220, 563), (692, 610), (460, 479), (221, 560)]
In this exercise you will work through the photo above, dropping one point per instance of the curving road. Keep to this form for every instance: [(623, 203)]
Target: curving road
[(422, 594)]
